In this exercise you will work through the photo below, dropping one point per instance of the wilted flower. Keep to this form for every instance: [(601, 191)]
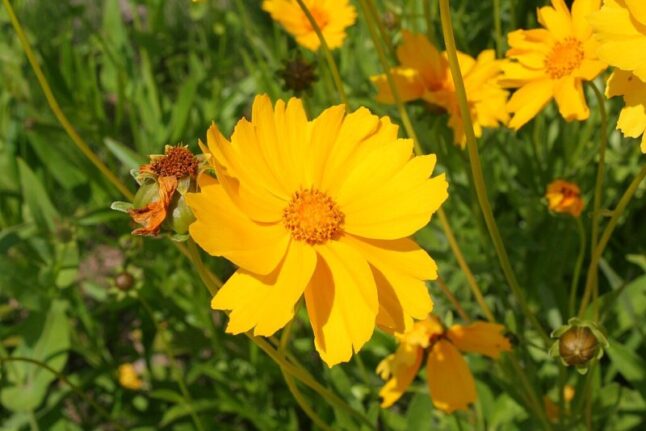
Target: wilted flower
[(159, 202), (424, 74), (331, 16), (578, 343), (553, 62), (297, 75), (450, 381), (564, 197), (320, 208)]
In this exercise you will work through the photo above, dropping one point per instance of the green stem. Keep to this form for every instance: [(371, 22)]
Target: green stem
[(176, 371), (326, 50), (577, 267), (65, 380), (476, 168), (429, 15), (56, 109), (598, 187), (605, 237), (497, 20)]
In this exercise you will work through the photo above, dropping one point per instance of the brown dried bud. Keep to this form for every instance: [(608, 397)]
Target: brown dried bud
[(578, 345), (298, 75), (124, 281)]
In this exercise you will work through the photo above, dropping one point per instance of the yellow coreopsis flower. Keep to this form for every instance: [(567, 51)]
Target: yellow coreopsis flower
[(450, 381), (331, 16), (129, 378), (620, 27), (424, 74), (564, 197), (323, 209), (553, 62)]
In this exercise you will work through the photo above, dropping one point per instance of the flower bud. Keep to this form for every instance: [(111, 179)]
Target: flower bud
[(124, 281), (298, 75), (579, 343)]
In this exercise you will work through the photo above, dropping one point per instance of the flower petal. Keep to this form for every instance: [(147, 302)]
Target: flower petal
[(266, 303), (403, 367), (222, 229), (408, 82), (341, 302), (556, 19), (528, 101), (570, 99), (450, 381), (480, 337), (401, 206)]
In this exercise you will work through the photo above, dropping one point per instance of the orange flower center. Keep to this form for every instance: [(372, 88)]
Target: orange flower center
[(320, 16), (313, 217), (565, 57), (178, 162)]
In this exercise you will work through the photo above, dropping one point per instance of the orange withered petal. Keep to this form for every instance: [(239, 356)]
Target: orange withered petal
[(153, 215)]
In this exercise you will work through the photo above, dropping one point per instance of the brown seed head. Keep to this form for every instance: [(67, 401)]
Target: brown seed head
[(124, 281), (578, 345), (178, 162)]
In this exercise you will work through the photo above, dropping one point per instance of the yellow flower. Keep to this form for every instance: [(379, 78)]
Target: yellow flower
[(450, 381), (552, 62), (564, 197), (331, 16), (620, 27), (424, 74), (321, 208), (128, 377), (632, 118)]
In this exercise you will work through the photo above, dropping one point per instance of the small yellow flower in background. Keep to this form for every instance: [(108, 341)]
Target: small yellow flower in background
[(552, 408), (331, 16), (564, 197), (424, 74), (620, 27), (450, 381), (322, 208), (553, 62), (129, 378)]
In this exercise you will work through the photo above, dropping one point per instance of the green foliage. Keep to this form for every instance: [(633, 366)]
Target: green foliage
[(133, 76)]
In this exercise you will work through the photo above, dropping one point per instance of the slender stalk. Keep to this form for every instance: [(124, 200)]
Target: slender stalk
[(476, 168), (408, 125), (326, 50), (385, 36), (410, 131), (452, 299), (598, 187), (188, 400), (577, 267), (497, 22), (429, 15), (291, 385), (56, 109), (605, 237), (103, 412), (534, 402)]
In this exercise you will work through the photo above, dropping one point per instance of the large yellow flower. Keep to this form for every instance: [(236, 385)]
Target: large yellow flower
[(332, 17), (321, 209), (552, 62), (450, 381), (424, 74), (620, 27)]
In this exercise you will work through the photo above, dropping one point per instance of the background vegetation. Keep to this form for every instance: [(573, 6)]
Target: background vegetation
[(134, 75)]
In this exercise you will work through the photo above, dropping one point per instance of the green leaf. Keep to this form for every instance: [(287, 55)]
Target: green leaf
[(36, 199), (420, 413), (128, 157)]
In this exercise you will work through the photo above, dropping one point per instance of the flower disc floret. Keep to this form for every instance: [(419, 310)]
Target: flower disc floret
[(565, 57), (313, 217), (178, 162)]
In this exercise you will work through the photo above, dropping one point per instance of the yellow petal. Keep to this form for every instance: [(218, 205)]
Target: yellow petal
[(480, 337), (404, 365), (570, 99), (405, 268), (325, 129), (637, 10), (581, 11), (341, 302), (266, 303), (222, 229), (401, 206), (556, 19), (450, 381), (408, 82), (528, 101), (417, 52)]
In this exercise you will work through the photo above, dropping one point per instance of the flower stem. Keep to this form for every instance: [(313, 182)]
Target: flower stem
[(476, 168), (56, 109), (577, 267), (176, 371), (326, 50), (452, 299), (598, 187), (605, 237), (103, 412), (497, 26)]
